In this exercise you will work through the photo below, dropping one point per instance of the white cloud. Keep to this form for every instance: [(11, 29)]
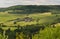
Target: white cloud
[(6, 3)]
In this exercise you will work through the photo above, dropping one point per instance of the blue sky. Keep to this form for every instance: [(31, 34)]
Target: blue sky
[(7, 3)]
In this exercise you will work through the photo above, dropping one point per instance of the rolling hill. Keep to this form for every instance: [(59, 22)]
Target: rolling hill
[(29, 9)]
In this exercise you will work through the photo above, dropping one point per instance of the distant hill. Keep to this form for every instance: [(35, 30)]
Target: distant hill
[(29, 9)]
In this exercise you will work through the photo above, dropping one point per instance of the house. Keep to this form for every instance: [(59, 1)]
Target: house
[(28, 19)]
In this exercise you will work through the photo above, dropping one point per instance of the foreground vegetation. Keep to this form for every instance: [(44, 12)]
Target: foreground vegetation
[(30, 32)]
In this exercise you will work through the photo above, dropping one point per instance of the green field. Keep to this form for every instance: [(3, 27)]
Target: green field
[(44, 18)]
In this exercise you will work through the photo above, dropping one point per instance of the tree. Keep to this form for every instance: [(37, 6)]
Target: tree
[(18, 31), (1, 33), (31, 30), (10, 34)]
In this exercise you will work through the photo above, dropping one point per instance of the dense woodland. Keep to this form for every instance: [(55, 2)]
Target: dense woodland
[(29, 9)]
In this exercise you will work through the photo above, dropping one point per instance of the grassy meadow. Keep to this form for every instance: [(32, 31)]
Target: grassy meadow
[(43, 18)]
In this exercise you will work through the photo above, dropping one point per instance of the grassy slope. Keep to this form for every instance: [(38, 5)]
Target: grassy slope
[(44, 18)]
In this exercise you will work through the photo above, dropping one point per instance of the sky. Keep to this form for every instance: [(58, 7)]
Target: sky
[(7, 3)]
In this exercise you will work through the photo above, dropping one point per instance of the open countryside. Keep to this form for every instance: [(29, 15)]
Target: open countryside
[(30, 22)]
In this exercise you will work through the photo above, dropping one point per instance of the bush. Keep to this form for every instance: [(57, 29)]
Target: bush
[(50, 33)]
